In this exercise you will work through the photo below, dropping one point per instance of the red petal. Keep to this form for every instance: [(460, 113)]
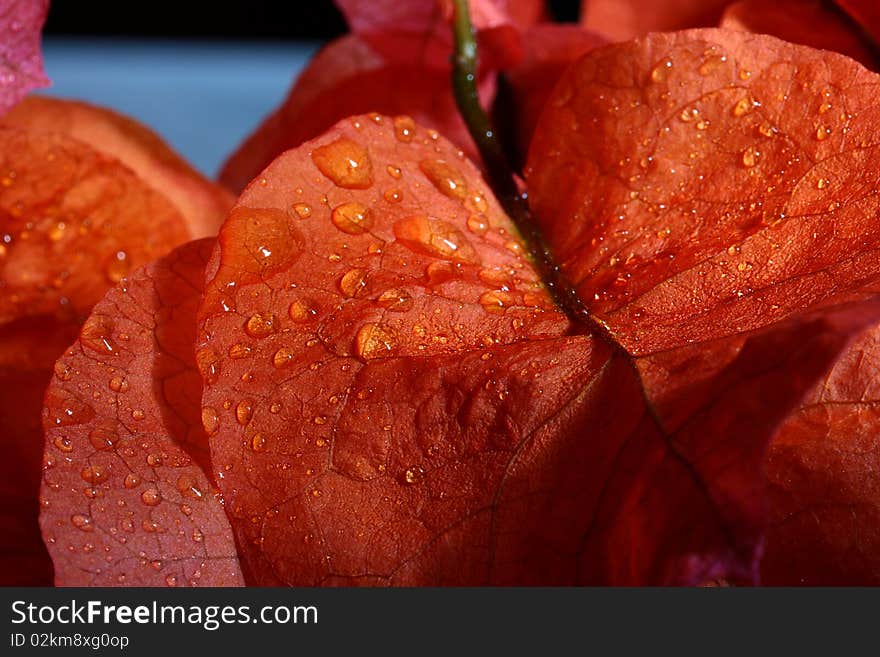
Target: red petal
[(716, 181), (28, 348), (395, 62), (396, 403), (125, 498), (624, 19), (347, 77), (202, 203), (74, 222), (325, 277), (550, 49), (21, 60), (809, 22), (822, 467)]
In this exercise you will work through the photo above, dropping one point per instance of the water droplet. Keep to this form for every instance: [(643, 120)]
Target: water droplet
[(414, 474), (477, 224), (63, 372), (117, 267), (661, 72), (711, 64), (496, 301), (118, 384), (688, 114), (393, 196), (82, 522), (822, 183), (239, 351), (244, 411), (434, 237), (258, 443), (154, 460), (822, 132), (303, 210), (56, 232), (283, 357), (266, 236), (750, 156), (104, 437), (187, 485), (131, 480), (702, 124), (375, 341), (209, 364), (394, 172), (439, 272), (396, 300), (171, 580), (260, 325), (353, 218), (95, 474), (495, 277), (96, 334), (404, 128), (63, 443), (138, 414), (353, 283), (345, 163), (210, 420), (476, 203), (743, 106), (68, 410), (151, 497), (299, 311), (446, 178)]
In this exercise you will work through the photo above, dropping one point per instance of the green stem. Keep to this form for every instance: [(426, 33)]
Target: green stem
[(501, 176)]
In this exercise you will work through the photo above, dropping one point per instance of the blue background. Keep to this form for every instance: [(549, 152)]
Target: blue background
[(202, 97)]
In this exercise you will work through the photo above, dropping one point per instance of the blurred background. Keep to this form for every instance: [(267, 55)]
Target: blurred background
[(203, 75)]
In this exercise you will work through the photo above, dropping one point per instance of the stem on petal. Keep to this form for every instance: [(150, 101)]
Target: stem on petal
[(501, 176)]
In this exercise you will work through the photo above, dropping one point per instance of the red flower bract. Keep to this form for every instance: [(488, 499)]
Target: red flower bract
[(698, 203), (377, 440), (86, 196), (396, 61), (125, 499), (21, 61), (822, 469), (371, 372)]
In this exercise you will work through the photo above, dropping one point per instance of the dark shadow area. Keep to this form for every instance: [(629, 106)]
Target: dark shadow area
[(242, 19)]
